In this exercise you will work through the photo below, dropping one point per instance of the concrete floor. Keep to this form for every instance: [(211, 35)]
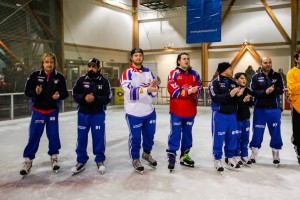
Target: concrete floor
[(261, 181)]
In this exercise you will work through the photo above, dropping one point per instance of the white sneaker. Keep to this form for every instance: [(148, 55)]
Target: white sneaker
[(254, 154)]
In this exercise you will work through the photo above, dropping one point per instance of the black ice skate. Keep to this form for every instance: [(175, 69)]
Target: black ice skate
[(101, 167), (231, 164), (79, 167), (54, 161), (138, 167), (246, 161), (186, 160), (27, 164), (172, 160), (276, 159), (148, 160), (219, 167)]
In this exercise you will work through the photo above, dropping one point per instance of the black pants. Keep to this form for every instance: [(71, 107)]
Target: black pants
[(296, 130)]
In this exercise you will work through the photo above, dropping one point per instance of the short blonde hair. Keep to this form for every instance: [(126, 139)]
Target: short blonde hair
[(48, 55)]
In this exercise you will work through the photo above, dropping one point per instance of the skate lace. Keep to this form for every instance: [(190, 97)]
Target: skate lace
[(54, 160), (275, 154), (137, 163), (99, 164), (171, 158), (218, 164), (27, 165), (148, 157), (231, 162), (187, 157), (254, 153)]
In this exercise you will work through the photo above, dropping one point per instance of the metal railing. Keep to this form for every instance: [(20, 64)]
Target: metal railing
[(17, 105)]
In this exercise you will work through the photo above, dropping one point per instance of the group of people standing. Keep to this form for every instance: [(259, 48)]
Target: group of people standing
[(231, 100)]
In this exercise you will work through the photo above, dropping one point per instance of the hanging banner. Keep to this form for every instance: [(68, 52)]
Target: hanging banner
[(203, 21)]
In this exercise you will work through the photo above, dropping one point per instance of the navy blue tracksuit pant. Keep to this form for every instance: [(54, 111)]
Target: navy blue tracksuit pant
[(36, 129), (272, 118), (224, 129), (95, 122), (181, 132), (138, 127)]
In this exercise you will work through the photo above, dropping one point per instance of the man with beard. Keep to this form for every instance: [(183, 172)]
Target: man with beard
[(266, 86), (140, 87), (92, 92)]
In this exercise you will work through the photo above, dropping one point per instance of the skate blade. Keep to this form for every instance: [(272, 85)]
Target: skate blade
[(75, 173), (276, 165), (247, 165), (220, 172), (145, 162), (187, 165), (102, 172), (139, 172), (232, 169)]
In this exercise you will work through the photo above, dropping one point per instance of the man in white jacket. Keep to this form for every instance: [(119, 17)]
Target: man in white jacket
[(140, 87)]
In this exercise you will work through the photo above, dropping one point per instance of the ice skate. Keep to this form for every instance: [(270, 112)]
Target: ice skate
[(231, 164), (254, 154), (148, 160), (172, 160), (79, 167), (54, 161), (219, 167), (246, 161), (298, 157), (238, 160), (27, 164), (276, 159), (138, 167), (101, 167), (186, 160)]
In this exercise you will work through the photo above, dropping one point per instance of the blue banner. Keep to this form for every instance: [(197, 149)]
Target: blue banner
[(203, 21)]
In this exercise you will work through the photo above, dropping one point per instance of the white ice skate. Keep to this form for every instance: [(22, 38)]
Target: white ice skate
[(231, 164), (54, 161), (79, 167), (101, 167), (138, 167), (219, 167), (27, 164), (148, 160), (254, 154), (276, 159), (246, 161)]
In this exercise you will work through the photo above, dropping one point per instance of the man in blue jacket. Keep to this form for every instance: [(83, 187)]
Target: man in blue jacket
[(224, 92), (266, 87), (92, 92), (46, 87)]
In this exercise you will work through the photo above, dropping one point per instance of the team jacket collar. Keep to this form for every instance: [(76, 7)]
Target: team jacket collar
[(135, 69), (184, 72)]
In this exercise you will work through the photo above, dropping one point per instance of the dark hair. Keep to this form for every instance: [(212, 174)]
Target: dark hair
[(239, 74), (179, 57), (296, 56)]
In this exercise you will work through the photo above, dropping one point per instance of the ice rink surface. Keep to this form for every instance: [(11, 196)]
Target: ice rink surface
[(261, 181)]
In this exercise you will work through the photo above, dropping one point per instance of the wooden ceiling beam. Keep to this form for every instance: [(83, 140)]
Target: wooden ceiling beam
[(276, 22), (238, 56)]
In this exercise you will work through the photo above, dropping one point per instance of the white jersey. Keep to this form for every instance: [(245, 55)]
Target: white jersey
[(137, 101)]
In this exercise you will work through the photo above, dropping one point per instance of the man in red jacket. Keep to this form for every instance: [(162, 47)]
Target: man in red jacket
[(184, 86)]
